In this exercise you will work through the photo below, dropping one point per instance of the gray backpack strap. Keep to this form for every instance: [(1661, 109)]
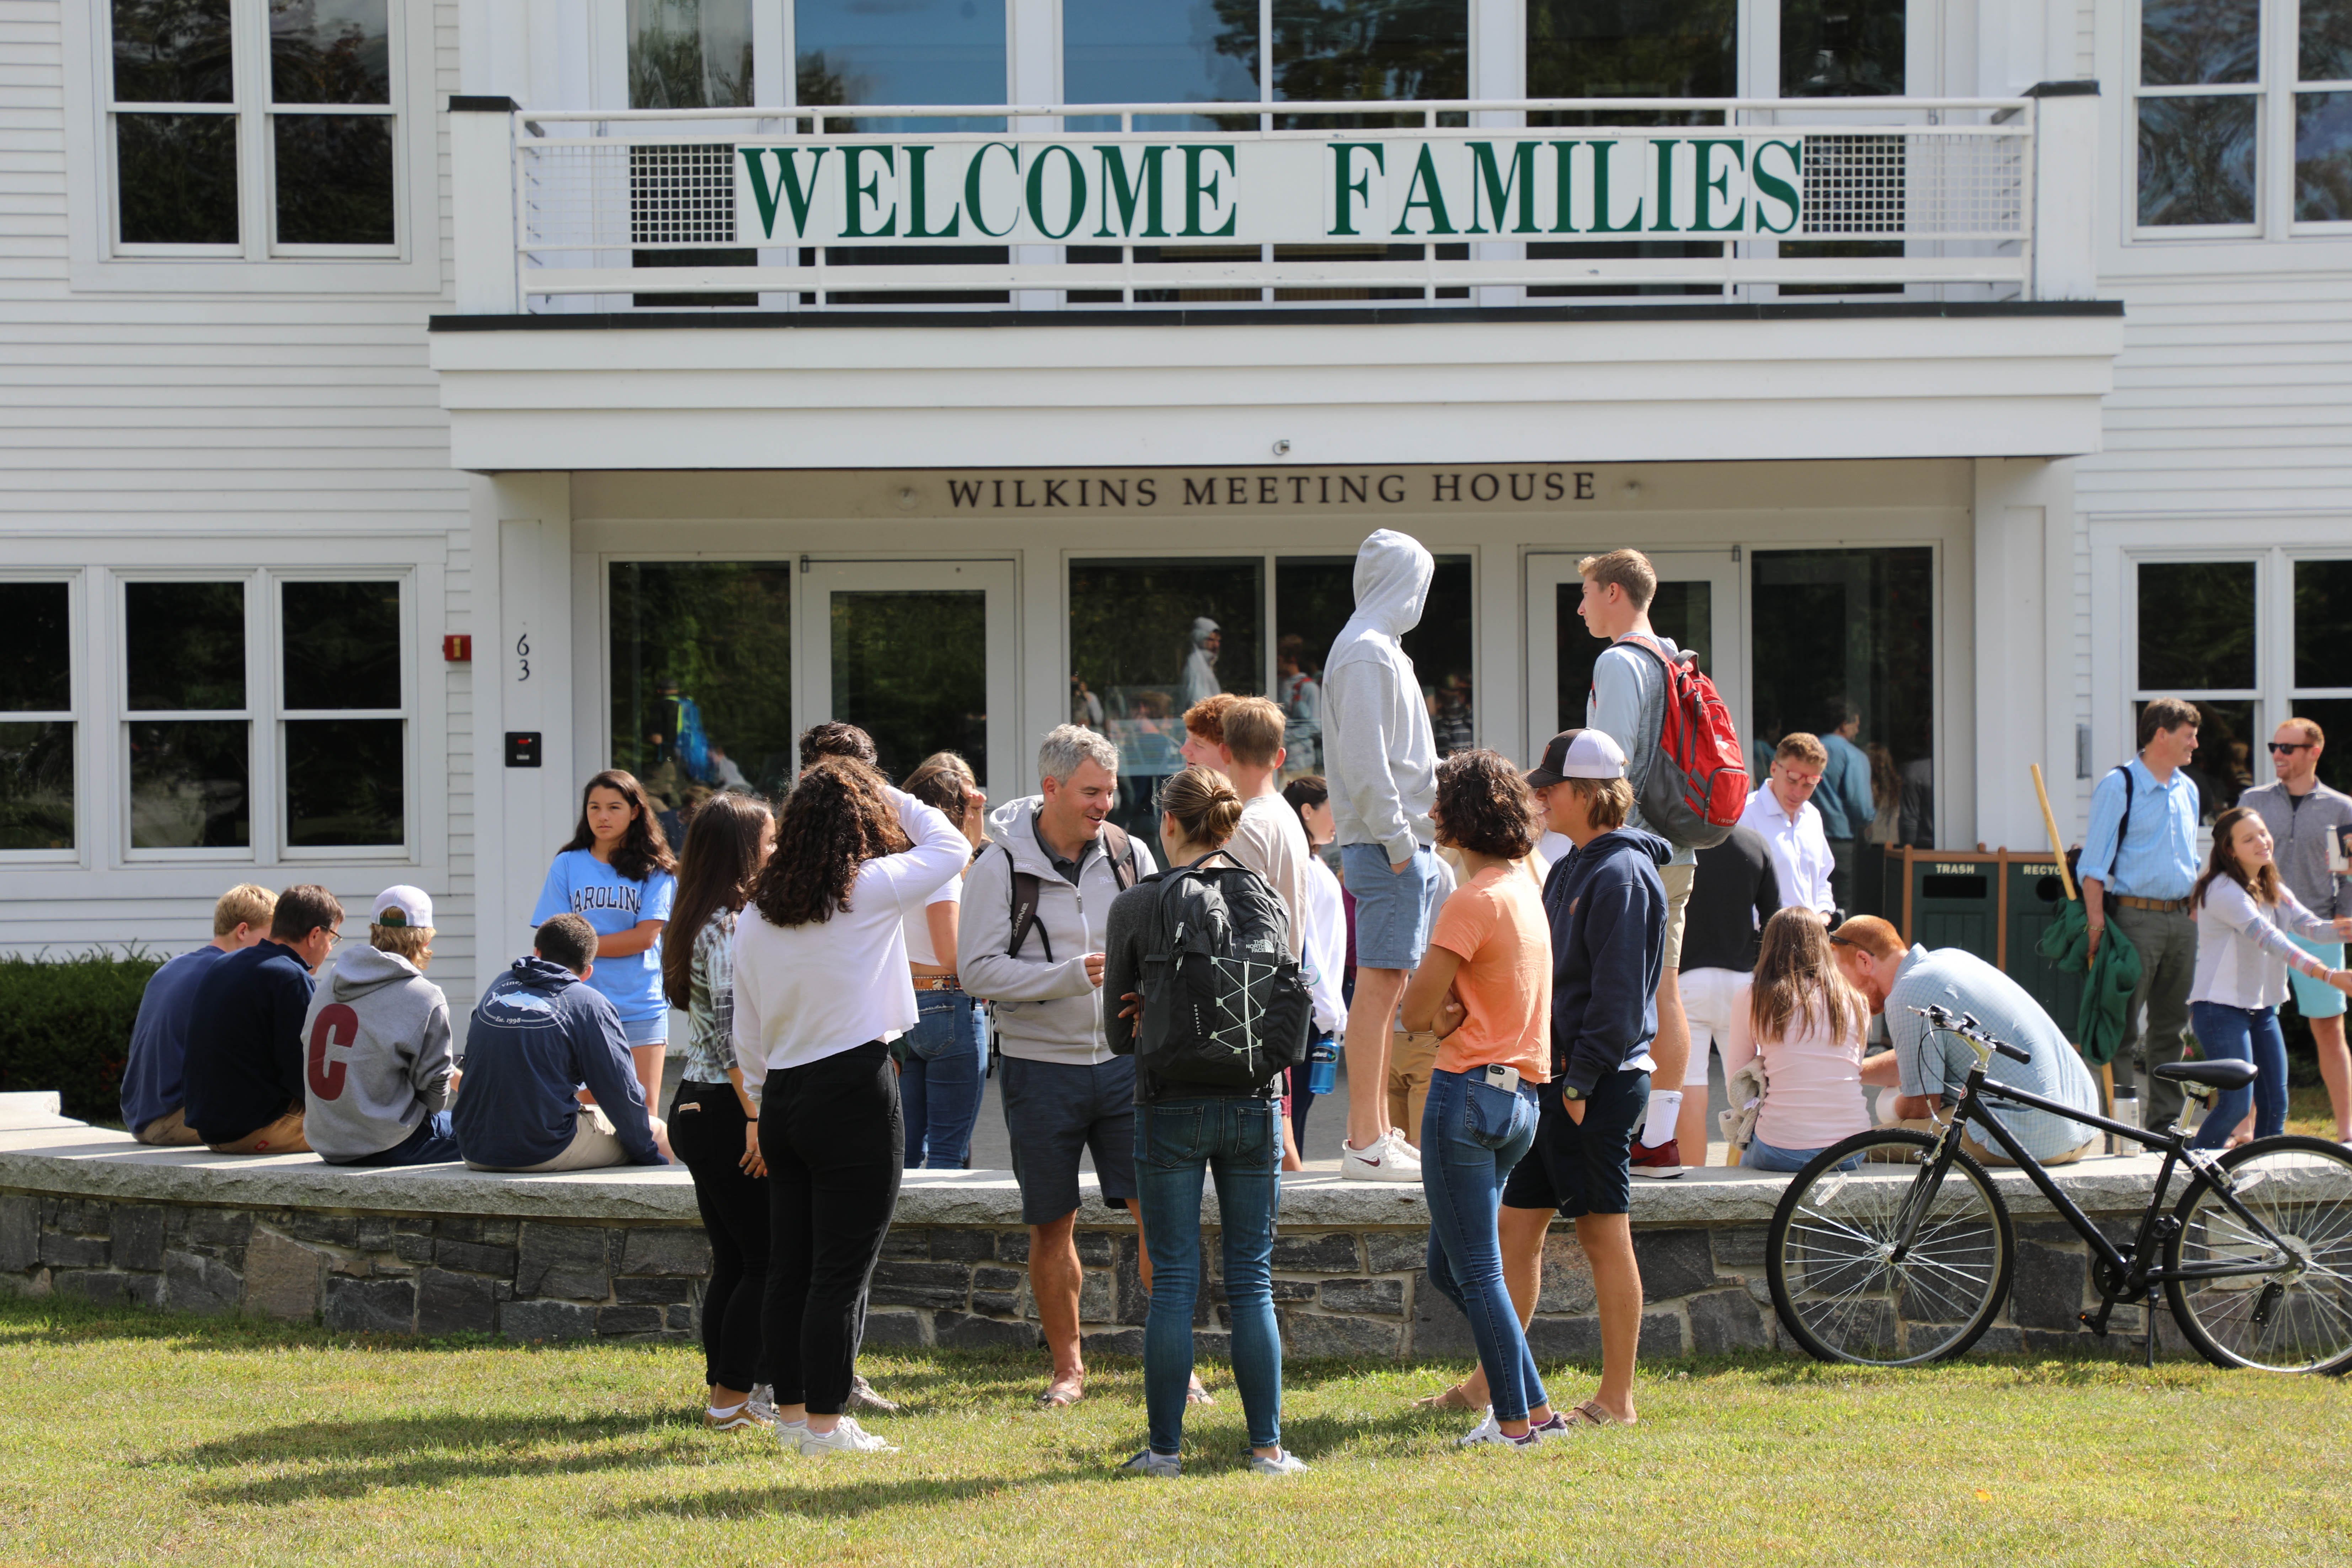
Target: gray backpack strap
[(1025, 890)]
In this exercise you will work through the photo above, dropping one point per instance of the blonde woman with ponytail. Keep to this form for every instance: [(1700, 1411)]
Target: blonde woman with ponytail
[(1180, 1134)]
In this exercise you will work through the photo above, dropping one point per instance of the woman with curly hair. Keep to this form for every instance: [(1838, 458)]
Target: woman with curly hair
[(820, 982), (1491, 948), (618, 875)]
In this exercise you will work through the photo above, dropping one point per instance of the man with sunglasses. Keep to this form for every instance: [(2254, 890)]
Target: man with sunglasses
[(2301, 814), (244, 1032)]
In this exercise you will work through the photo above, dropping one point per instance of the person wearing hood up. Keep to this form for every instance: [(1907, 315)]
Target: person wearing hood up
[(1607, 907), (1201, 664), (378, 1067), (1380, 766), (539, 1036)]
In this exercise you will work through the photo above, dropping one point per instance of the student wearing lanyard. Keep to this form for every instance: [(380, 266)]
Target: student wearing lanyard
[(618, 875)]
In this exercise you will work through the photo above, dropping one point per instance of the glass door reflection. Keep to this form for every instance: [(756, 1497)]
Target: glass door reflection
[(918, 654)]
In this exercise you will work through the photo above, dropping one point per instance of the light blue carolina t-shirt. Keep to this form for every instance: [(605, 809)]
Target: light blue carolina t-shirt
[(580, 884)]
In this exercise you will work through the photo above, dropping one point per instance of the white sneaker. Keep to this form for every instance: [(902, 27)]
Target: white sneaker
[(1487, 1434), (1284, 1463), (1389, 1159), (848, 1438)]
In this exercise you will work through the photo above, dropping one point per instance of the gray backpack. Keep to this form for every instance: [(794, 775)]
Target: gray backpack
[(1226, 1006)]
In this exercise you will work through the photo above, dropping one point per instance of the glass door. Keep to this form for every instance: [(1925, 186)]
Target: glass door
[(919, 654), (1697, 606)]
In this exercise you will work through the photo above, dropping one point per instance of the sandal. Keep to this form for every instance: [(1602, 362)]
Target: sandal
[(1196, 1394), (1590, 1413), (1061, 1394), (1452, 1398)]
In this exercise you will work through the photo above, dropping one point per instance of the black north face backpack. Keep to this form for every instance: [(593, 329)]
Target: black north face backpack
[(1226, 1006)]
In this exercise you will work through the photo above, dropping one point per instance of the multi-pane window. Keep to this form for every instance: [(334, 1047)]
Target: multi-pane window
[(2245, 114), (2322, 661), (283, 148), (2323, 112), (2199, 630), (282, 717), (37, 716), (187, 726), (1150, 636)]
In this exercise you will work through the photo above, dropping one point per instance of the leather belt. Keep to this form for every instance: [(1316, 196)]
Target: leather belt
[(937, 982), (2161, 905)]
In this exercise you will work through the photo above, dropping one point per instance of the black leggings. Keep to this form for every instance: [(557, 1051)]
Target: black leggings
[(834, 1142), (706, 1132)]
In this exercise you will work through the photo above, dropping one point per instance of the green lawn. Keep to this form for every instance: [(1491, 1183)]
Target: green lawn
[(126, 1436)]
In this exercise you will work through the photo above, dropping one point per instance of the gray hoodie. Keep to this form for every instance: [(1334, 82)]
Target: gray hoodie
[(1046, 1009), (376, 1056), (1379, 758)]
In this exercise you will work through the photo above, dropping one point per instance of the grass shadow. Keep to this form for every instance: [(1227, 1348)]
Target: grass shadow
[(856, 1500), (346, 1459)]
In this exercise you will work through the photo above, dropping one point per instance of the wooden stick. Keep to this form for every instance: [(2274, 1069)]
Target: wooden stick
[(2050, 822)]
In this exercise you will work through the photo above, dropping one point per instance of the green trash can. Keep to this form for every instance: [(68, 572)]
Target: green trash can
[(2036, 895), (1952, 898)]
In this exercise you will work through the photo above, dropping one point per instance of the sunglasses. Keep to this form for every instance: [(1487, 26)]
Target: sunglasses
[(1837, 940), (2278, 746)]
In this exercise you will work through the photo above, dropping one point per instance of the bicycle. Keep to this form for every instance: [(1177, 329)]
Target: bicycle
[(1906, 1259)]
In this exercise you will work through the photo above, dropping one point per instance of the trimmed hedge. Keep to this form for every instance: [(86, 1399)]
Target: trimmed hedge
[(65, 1024)]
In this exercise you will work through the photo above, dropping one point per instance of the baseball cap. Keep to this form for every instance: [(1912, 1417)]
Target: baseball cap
[(1578, 754), (403, 906)]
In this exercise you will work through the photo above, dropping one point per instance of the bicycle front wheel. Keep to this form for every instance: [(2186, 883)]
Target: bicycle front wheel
[(1841, 1285), (2296, 1315)]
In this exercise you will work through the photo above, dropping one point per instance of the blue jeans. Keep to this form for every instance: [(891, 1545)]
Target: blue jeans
[(1239, 1142), (2250, 1034), (1763, 1156), (1471, 1133), (939, 1084), (433, 1143)]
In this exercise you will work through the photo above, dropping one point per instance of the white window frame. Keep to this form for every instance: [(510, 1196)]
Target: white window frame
[(76, 714), (265, 716), (2282, 601), (2263, 696), (256, 264), (280, 715), (2274, 90)]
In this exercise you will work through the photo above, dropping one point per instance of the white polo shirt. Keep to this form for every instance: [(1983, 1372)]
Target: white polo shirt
[(1799, 849)]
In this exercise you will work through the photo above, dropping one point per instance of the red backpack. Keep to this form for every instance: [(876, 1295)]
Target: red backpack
[(1697, 787)]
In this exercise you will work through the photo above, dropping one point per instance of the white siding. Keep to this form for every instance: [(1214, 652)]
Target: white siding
[(252, 420)]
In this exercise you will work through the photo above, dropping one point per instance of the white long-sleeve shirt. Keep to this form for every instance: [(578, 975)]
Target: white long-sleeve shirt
[(2243, 953), (1799, 849), (1326, 946), (808, 992)]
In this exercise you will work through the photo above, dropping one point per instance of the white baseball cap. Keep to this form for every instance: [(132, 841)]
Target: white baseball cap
[(403, 906), (1578, 754)]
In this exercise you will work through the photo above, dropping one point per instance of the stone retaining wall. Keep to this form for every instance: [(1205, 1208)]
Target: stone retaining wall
[(621, 1254)]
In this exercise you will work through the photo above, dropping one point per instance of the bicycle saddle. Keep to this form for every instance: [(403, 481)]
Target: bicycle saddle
[(2225, 1074)]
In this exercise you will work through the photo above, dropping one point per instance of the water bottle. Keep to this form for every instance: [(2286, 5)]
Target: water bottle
[(2127, 1110), (1322, 1065)]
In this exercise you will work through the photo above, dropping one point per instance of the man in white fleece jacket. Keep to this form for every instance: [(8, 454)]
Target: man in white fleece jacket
[(1380, 762)]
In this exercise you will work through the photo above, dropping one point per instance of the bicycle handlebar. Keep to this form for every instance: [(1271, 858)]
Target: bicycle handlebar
[(1965, 1024)]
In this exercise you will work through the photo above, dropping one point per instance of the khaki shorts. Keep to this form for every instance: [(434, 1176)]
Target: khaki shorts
[(1986, 1155), (1677, 880), (594, 1144), (1411, 1059), (283, 1136), (171, 1132)]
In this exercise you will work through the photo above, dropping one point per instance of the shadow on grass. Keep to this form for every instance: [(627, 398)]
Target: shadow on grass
[(344, 1459), (854, 1500)]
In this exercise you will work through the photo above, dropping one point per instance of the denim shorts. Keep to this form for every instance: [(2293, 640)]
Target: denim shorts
[(1581, 1168), (1394, 910)]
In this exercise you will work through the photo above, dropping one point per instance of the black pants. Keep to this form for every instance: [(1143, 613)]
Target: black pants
[(834, 1141), (706, 1123)]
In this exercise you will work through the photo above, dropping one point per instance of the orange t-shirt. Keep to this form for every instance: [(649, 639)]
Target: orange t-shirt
[(1496, 925)]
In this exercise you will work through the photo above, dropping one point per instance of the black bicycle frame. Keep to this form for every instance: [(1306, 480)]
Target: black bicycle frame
[(2136, 1274)]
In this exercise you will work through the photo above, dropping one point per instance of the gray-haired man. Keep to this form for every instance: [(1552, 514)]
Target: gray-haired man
[(1052, 870)]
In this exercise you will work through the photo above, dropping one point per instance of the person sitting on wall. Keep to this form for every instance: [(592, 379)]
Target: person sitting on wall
[(1929, 1065), (244, 1035), (538, 1036), (378, 1065), (155, 1096)]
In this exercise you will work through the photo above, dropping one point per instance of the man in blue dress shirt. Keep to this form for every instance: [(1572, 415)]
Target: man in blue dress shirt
[(1844, 800), (2139, 862)]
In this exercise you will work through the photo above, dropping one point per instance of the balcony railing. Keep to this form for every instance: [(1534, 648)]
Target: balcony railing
[(1471, 202)]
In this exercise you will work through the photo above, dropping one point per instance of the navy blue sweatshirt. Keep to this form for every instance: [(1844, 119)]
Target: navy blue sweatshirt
[(1607, 905), (244, 1067), (539, 1033)]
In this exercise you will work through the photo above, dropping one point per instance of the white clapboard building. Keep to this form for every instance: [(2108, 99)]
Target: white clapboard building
[(415, 405)]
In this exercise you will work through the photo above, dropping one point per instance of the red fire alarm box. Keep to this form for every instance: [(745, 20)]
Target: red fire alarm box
[(458, 648)]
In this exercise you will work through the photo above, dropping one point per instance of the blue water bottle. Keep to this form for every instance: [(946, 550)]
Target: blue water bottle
[(1322, 1066)]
